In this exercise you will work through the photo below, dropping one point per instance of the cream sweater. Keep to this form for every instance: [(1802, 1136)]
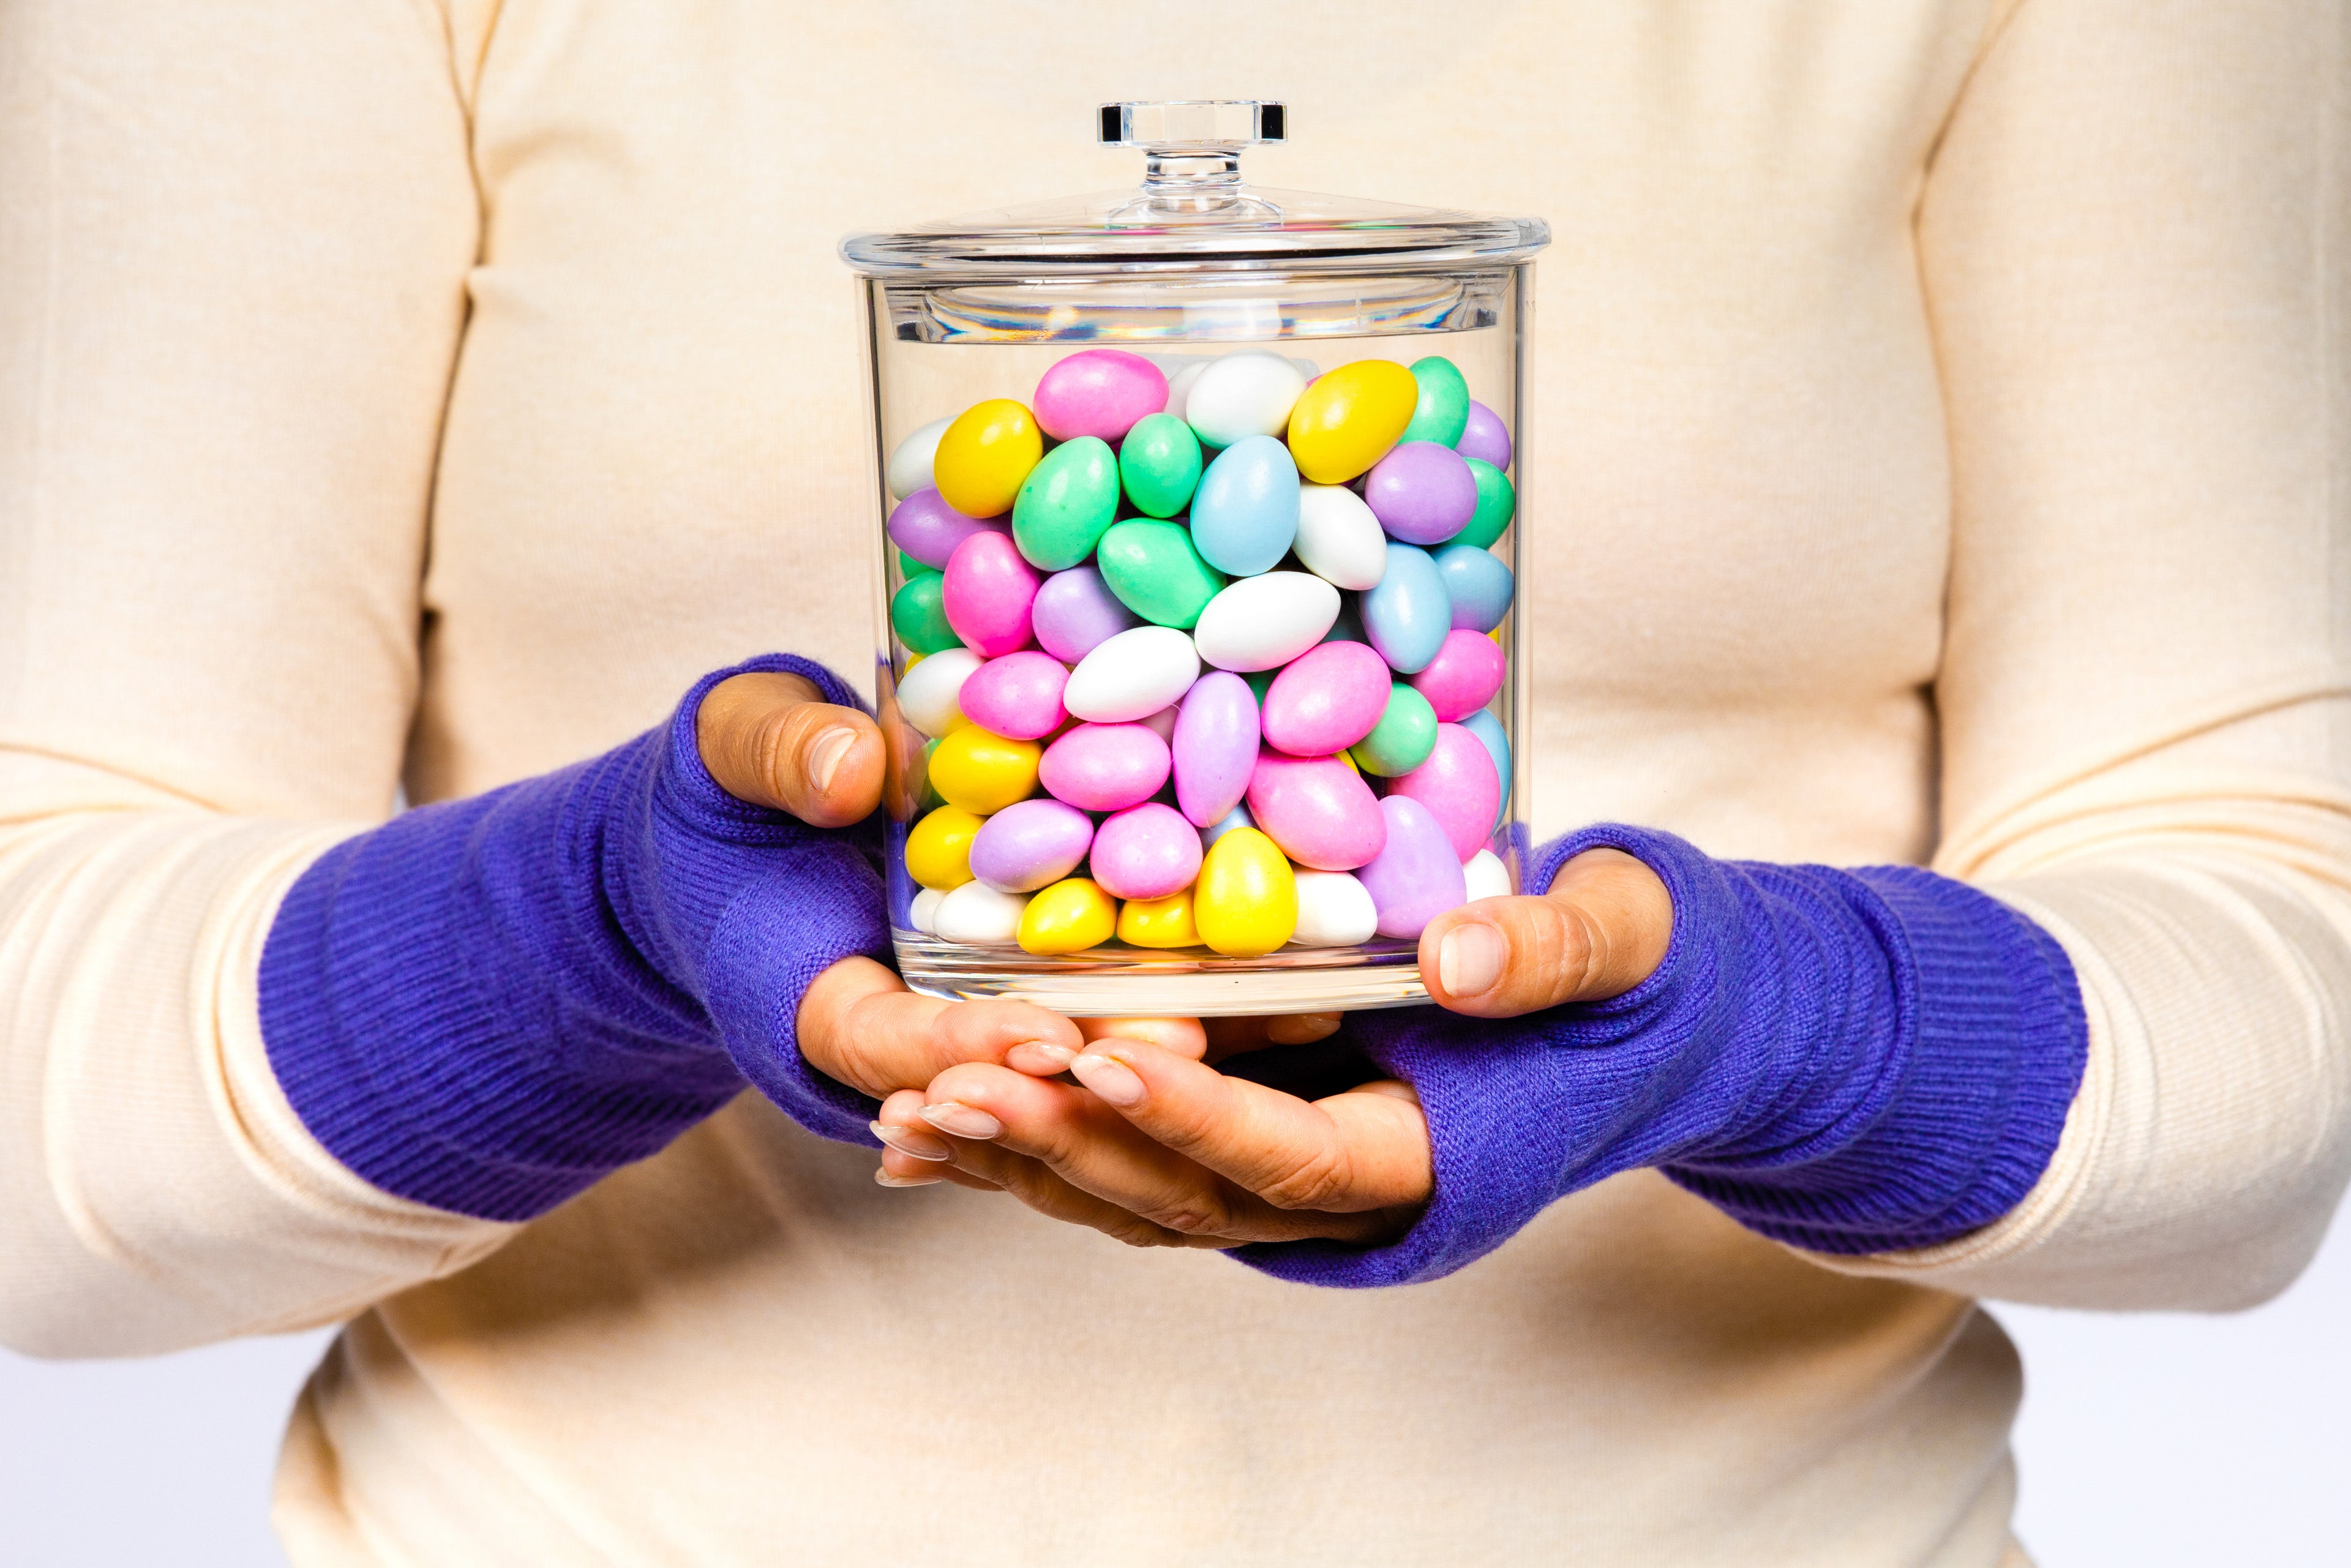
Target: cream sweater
[(1941, 452)]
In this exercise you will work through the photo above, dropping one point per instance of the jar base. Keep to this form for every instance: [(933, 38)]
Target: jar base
[(1119, 981)]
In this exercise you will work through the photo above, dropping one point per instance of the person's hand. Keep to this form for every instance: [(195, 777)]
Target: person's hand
[(1600, 930)]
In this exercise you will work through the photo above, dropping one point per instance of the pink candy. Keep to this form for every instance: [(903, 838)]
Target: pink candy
[(988, 592), (1145, 852), (1098, 391), (1019, 694), (1326, 699), (1105, 767), (1468, 671), (1215, 746), (1458, 787), (1318, 810)]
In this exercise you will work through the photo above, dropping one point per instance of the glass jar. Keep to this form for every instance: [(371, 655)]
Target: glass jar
[(1142, 459)]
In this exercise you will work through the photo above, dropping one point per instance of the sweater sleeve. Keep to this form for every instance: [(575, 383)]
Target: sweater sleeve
[(231, 294)]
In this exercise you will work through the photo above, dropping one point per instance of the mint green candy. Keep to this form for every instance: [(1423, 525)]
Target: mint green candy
[(909, 568), (1443, 411), (1403, 738), (1065, 504), (1155, 572), (1159, 462), (1498, 502), (918, 614)]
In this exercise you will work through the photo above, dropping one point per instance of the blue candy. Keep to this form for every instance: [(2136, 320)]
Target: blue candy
[(1407, 615), (1478, 585), (1245, 513), (1489, 731)]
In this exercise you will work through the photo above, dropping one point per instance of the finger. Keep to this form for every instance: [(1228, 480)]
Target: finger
[(859, 1023), (768, 738), (1238, 1036), (1184, 1037), (913, 1155), (1600, 930)]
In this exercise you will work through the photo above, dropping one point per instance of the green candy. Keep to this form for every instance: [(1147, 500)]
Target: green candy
[(1498, 502), (1155, 572), (908, 567), (918, 614), (1065, 504), (1403, 738), (1443, 411), (1260, 682), (1159, 464)]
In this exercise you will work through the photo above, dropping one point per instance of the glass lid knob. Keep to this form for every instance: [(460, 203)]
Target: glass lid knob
[(1192, 155)]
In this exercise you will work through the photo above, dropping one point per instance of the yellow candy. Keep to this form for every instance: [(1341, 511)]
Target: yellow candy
[(1246, 902), (1348, 420), (986, 453), (983, 772), (911, 659), (1159, 922), (1069, 916), (939, 851)]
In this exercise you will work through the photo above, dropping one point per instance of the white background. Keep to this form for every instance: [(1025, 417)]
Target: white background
[(2155, 1441)]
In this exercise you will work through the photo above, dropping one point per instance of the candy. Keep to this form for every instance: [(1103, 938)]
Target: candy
[(928, 693), (1498, 502), (1349, 418), (1407, 615), (1179, 384), (1159, 922), (1326, 700), (928, 530), (918, 614), (1489, 731), (1161, 724), (986, 455), (1422, 493), (1075, 611), (981, 915), (983, 773), (1239, 817), (1065, 504), (938, 848), (1068, 917), (1486, 875), (1132, 676), (909, 468), (1318, 810), (1335, 910), (1441, 409), (1478, 586), (986, 593), (1260, 622), (1246, 902), (1215, 746), (1245, 512), (1104, 767), (1458, 787), (1099, 392), (1339, 539), (1243, 394), (1415, 877), (1485, 437), (1030, 843), (1159, 464), (924, 914), (1468, 671), (1017, 695), (1155, 572), (1146, 852)]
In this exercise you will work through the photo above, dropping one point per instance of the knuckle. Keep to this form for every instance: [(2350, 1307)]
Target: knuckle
[(1316, 1180)]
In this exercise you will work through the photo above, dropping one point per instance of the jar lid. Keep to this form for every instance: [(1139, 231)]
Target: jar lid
[(1192, 213)]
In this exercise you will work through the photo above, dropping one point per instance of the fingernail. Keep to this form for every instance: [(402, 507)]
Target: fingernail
[(885, 1178), (1039, 1056), (912, 1141), (1469, 959), (963, 1120), (1110, 1077), (824, 757), (1302, 1029)]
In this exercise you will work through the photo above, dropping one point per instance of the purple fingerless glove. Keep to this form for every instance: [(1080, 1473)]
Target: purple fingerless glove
[(487, 1004), (1850, 1061)]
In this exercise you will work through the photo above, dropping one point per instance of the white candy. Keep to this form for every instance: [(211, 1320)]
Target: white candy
[(1243, 394), (927, 694), (978, 916), (1335, 910), (1161, 724), (925, 915), (1488, 877), (1134, 674), (1260, 622), (1180, 380), (1339, 538), (909, 468)]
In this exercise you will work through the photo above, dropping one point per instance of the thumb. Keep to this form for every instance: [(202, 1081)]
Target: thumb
[(1602, 929), (768, 738)]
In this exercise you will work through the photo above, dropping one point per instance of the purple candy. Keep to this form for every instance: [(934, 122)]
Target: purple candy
[(1029, 844), (929, 530), (1145, 852), (1017, 695), (1326, 700), (1468, 671), (1104, 767), (1075, 611), (1317, 808), (1486, 437), (1459, 785), (1215, 746), (1098, 391), (1415, 877), (1422, 493)]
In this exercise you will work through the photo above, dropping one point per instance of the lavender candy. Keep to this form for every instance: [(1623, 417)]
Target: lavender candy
[(1031, 843), (927, 529), (1415, 877), (1423, 494), (1075, 611)]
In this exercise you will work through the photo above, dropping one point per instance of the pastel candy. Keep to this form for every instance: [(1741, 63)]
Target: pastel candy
[(1241, 395), (1347, 419), (928, 694), (981, 915), (1066, 502), (1402, 739), (1215, 746), (1246, 902), (983, 772), (1485, 437), (1261, 623), (1239, 817), (928, 530), (985, 455), (1478, 586), (1422, 493), (1104, 767), (1407, 615), (1031, 843), (1179, 384), (909, 468), (1326, 699), (1459, 785), (1441, 409), (1339, 539), (1132, 676), (1145, 852), (988, 592), (1498, 503), (1155, 572), (923, 914), (918, 614), (1245, 513), (1159, 464), (1415, 877), (1318, 810), (1099, 392), (938, 848), (1335, 910), (1489, 731), (1159, 922), (1468, 671), (1075, 613), (1069, 916), (1488, 877), (1019, 694)]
